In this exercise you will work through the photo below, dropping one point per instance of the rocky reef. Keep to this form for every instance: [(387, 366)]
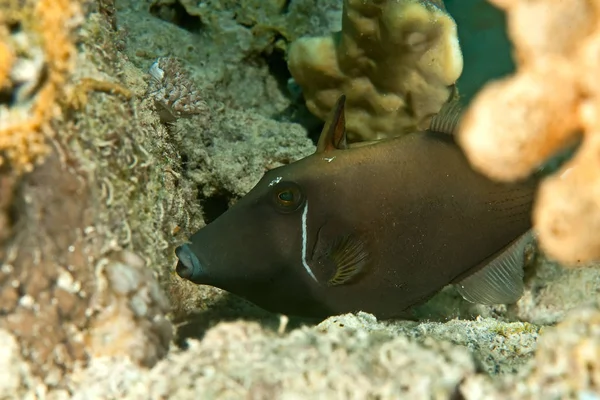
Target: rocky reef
[(125, 126)]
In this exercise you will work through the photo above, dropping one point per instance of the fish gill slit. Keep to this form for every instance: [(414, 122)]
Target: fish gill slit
[(314, 247), (305, 241)]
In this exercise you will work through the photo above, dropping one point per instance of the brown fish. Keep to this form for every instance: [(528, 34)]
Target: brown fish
[(378, 228)]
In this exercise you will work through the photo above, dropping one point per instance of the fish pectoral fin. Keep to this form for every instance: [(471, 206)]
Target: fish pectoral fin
[(447, 120), (349, 256), (501, 280)]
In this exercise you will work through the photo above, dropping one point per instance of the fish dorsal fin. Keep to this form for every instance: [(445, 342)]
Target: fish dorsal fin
[(447, 120), (501, 280), (333, 135), (349, 256)]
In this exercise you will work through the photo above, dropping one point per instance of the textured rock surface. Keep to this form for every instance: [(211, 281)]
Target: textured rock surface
[(354, 356), (345, 363)]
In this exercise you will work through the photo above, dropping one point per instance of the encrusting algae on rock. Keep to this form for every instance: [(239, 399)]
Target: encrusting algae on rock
[(86, 207), (515, 124)]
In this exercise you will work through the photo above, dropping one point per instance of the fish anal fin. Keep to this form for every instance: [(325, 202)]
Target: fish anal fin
[(349, 256), (500, 281), (333, 135)]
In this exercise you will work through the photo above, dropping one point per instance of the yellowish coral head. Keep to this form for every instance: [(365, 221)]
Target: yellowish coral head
[(395, 60)]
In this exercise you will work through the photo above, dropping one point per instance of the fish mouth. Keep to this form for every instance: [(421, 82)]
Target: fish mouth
[(189, 266)]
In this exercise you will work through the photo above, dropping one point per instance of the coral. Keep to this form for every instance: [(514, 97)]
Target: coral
[(62, 310), (396, 62), (173, 93), (7, 186), (359, 357), (553, 291), (515, 124), (7, 57), (104, 187), (36, 57), (11, 360), (86, 257), (79, 95), (487, 339), (568, 357), (45, 285), (241, 359), (130, 307), (566, 364)]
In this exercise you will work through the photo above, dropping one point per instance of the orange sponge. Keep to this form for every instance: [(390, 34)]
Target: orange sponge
[(515, 124), (35, 61), (395, 60)]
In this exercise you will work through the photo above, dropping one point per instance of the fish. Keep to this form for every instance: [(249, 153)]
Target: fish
[(379, 228)]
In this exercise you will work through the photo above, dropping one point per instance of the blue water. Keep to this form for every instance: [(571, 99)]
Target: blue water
[(485, 45)]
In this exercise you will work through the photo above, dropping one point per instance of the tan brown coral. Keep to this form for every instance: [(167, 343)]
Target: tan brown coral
[(38, 55), (396, 62), (7, 57), (517, 123)]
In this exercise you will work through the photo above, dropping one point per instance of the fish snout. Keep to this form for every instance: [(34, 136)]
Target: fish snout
[(189, 266)]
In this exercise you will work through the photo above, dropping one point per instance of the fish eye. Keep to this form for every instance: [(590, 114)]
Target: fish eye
[(287, 196)]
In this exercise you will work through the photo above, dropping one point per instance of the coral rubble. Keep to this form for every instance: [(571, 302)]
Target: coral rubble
[(567, 360), (357, 357), (243, 42), (515, 124)]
